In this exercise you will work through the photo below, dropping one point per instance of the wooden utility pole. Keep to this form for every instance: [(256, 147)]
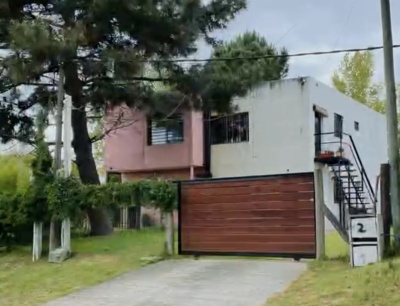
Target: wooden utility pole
[(385, 204), (391, 117)]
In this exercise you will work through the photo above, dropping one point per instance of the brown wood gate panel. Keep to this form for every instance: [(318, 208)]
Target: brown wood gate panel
[(269, 215)]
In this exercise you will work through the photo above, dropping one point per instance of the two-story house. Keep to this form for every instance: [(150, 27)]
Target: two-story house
[(283, 126)]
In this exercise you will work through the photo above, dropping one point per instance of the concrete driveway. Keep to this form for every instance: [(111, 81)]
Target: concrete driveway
[(204, 282)]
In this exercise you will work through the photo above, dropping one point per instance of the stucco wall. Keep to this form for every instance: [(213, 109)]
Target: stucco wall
[(126, 148), (281, 120), (370, 140), (280, 134)]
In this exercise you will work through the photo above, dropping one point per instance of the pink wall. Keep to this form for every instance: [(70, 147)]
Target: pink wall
[(126, 148)]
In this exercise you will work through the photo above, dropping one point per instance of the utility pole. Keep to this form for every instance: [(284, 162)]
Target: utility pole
[(55, 230), (391, 118), (59, 121), (66, 223), (67, 137)]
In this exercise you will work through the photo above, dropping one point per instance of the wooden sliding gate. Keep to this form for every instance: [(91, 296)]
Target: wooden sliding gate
[(268, 215)]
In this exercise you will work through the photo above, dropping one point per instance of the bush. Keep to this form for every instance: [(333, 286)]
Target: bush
[(68, 198), (12, 216)]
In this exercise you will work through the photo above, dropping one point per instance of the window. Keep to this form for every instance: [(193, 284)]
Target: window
[(165, 131), (338, 125), (230, 129), (356, 125)]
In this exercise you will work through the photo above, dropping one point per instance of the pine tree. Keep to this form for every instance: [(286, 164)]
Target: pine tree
[(102, 46)]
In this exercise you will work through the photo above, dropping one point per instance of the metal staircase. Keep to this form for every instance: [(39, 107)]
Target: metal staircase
[(353, 189)]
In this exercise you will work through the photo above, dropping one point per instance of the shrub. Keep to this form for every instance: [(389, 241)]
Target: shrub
[(12, 216), (67, 198)]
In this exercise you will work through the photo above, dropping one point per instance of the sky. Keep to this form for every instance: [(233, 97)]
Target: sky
[(316, 25)]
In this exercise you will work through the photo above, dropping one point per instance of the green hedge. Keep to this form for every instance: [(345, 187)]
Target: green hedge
[(67, 198)]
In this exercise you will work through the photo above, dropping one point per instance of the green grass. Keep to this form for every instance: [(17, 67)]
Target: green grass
[(97, 259), (334, 283), (327, 283)]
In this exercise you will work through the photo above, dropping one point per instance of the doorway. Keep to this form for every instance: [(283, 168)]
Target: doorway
[(318, 132)]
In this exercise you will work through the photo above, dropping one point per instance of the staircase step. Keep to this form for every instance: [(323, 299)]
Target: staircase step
[(352, 187), (342, 166), (361, 193), (348, 176), (368, 205), (359, 206), (343, 170)]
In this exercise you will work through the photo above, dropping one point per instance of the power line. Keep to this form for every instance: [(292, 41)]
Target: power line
[(344, 28), (300, 54), (221, 59)]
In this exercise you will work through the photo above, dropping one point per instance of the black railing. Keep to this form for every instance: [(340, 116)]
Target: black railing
[(363, 173), (356, 159), (347, 196)]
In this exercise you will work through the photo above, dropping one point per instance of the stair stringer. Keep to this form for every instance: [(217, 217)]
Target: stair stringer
[(336, 223)]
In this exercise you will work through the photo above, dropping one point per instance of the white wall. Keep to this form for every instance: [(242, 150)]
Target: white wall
[(370, 140), (280, 134), (282, 140)]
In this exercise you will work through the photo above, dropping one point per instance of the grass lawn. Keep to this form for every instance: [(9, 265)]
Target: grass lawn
[(334, 283), (98, 258)]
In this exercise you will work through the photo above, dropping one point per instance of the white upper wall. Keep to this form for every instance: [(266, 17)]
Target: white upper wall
[(370, 140), (281, 120), (279, 133)]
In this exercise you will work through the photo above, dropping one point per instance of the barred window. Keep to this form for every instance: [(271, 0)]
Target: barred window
[(230, 129), (165, 131)]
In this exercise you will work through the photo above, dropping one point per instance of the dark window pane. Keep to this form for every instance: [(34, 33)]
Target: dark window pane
[(165, 131), (230, 129), (338, 125)]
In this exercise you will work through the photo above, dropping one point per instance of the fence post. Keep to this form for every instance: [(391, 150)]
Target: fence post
[(37, 240), (319, 213), (385, 204), (169, 233)]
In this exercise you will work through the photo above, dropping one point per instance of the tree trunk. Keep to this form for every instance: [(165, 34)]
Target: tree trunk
[(100, 220)]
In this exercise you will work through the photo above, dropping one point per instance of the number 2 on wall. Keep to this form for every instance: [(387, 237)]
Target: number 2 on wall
[(361, 228)]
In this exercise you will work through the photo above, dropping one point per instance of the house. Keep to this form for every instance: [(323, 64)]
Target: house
[(282, 127)]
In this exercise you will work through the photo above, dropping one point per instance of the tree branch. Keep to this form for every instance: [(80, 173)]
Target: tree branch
[(118, 123)]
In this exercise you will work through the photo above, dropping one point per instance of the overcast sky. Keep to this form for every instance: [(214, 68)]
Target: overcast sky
[(317, 25)]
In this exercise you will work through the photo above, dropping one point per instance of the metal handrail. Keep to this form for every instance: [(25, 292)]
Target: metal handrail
[(364, 176), (355, 187), (357, 158), (362, 166)]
